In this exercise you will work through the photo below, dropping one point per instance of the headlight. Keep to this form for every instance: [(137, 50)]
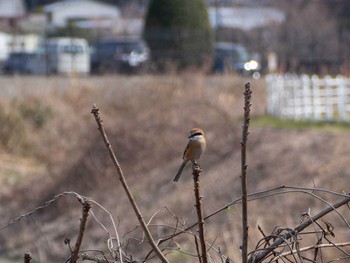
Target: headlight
[(251, 65)]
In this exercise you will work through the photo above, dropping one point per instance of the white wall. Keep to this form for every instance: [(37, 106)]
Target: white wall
[(4, 45), (61, 12), (14, 43)]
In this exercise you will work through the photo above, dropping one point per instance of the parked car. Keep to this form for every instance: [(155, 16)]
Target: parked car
[(17, 63), (61, 55), (119, 55), (230, 57)]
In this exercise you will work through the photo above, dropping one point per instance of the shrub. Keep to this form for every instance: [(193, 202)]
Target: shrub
[(34, 111), (12, 130)]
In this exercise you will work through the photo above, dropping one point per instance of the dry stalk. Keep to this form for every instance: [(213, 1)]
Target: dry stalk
[(264, 253), (46, 204), (95, 112), (246, 120), (95, 259), (283, 189), (197, 248), (83, 221), (317, 246), (27, 257), (196, 172)]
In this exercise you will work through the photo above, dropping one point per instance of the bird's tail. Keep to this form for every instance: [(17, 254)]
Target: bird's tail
[(177, 176)]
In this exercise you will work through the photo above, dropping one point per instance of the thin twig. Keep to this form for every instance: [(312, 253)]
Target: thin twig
[(260, 256), (81, 200), (196, 172), (95, 112), (247, 97), (110, 239), (256, 196), (46, 204), (96, 259), (83, 221), (317, 246), (197, 248)]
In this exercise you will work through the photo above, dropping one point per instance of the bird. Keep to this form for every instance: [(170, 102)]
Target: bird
[(194, 149)]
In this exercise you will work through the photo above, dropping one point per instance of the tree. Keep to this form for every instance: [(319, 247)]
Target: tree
[(300, 45), (341, 11), (179, 32)]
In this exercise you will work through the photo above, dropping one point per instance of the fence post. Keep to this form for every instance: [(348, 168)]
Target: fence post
[(306, 100), (329, 98), (341, 94), (317, 105), (295, 106), (271, 94), (280, 86)]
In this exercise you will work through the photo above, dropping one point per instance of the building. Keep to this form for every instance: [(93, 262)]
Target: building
[(11, 12), (244, 17), (12, 9), (12, 36), (84, 13)]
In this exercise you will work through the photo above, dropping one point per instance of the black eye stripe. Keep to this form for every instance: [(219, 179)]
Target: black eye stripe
[(195, 134)]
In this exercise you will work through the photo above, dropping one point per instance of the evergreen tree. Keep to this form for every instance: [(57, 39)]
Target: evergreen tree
[(178, 31)]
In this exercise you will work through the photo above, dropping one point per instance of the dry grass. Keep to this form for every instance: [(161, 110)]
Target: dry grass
[(147, 119)]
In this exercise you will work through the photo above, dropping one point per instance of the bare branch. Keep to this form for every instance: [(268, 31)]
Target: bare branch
[(95, 112), (247, 97), (46, 204), (196, 172), (197, 248), (27, 257), (95, 259), (83, 221), (345, 244), (255, 196), (259, 256)]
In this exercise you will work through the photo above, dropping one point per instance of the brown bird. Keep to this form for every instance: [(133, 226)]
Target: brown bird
[(194, 149)]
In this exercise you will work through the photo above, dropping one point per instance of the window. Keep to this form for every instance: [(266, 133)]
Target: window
[(73, 49)]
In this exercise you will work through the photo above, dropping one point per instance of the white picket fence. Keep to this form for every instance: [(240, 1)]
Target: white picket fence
[(308, 98)]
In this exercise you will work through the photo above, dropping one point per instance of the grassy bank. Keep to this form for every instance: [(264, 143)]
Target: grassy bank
[(51, 145)]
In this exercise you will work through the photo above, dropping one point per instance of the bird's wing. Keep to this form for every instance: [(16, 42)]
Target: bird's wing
[(188, 145)]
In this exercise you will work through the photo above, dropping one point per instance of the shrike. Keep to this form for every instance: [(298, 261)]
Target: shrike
[(194, 149)]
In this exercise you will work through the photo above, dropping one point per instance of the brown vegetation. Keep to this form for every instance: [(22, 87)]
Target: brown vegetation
[(147, 119)]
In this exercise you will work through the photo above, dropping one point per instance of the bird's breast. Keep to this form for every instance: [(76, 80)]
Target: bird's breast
[(195, 148)]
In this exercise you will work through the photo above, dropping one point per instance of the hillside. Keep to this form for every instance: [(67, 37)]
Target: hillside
[(50, 145)]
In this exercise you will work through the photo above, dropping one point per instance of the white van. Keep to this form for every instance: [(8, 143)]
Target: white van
[(61, 56)]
